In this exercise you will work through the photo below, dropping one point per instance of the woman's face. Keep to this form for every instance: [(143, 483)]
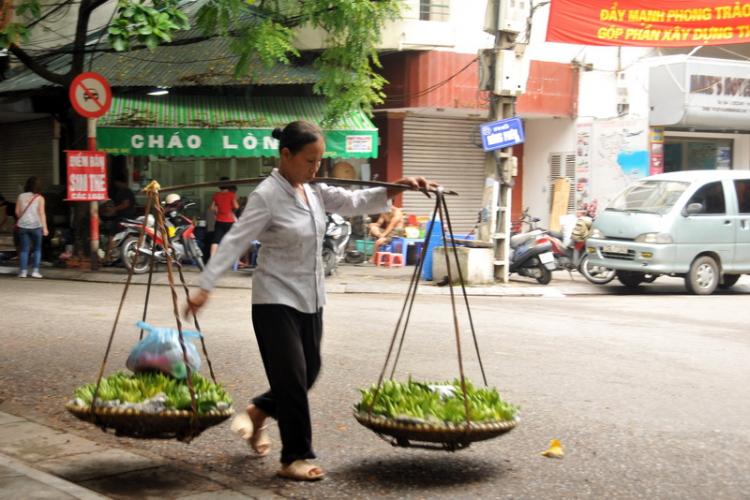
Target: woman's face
[(301, 168)]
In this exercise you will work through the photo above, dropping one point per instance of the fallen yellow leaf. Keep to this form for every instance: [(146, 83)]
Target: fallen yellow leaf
[(555, 450)]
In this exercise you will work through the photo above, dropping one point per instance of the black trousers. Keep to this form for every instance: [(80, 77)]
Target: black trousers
[(289, 343)]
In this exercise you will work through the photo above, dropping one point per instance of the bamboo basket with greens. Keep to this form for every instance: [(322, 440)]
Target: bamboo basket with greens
[(435, 412), (448, 415), (152, 405), (165, 398)]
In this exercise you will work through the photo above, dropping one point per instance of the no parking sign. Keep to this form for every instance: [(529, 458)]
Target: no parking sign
[(90, 95)]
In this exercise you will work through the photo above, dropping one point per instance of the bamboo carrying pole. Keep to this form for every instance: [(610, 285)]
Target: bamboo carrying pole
[(327, 180)]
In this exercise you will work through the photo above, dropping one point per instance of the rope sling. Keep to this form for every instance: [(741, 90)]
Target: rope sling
[(443, 436), (182, 425)]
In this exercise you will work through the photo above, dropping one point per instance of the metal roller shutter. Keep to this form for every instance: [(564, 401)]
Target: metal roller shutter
[(25, 150), (443, 150)]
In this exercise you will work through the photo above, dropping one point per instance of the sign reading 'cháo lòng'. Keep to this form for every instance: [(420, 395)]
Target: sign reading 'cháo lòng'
[(649, 23), (87, 175)]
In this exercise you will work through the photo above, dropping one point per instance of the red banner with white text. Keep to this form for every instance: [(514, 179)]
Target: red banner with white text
[(649, 23), (87, 175)]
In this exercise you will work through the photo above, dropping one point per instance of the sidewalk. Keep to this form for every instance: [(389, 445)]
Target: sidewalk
[(40, 462), (348, 278)]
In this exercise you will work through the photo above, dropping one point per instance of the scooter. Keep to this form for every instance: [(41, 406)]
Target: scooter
[(181, 240), (531, 256), (335, 240), (573, 256)]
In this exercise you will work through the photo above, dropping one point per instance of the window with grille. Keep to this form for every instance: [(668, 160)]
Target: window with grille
[(563, 166), (433, 11)]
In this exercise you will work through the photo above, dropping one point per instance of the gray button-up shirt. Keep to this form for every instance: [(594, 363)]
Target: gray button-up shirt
[(290, 266)]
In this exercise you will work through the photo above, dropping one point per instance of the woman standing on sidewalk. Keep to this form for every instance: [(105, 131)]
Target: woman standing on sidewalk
[(287, 215), (32, 225)]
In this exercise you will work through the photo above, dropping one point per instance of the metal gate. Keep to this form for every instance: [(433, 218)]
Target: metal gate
[(26, 150), (446, 150)]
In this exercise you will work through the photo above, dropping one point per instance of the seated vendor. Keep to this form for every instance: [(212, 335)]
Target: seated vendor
[(385, 228)]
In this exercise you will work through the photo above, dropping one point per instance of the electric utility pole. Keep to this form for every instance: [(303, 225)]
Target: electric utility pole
[(503, 80)]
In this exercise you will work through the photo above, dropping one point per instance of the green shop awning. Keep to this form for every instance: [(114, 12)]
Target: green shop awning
[(222, 126)]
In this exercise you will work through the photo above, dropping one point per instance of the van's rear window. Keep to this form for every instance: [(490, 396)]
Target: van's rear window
[(649, 196)]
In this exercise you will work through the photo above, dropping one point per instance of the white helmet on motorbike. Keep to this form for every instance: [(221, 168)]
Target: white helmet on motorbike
[(171, 198)]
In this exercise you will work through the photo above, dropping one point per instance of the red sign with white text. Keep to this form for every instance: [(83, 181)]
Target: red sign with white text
[(649, 23), (87, 175)]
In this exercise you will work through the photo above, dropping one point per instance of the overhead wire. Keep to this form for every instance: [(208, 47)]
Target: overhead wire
[(431, 88)]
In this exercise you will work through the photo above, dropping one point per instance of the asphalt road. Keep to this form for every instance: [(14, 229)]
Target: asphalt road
[(647, 393)]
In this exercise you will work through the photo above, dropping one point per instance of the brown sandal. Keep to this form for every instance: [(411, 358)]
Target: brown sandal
[(301, 471)]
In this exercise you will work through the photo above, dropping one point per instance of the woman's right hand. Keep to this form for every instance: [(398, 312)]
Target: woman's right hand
[(195, 302)]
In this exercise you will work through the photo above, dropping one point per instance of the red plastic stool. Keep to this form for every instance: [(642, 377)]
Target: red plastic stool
[(383, 259), (396, 260)]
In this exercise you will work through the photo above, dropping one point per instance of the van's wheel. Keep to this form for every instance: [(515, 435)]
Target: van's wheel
[(630, 279), (729, 281), (703, 277), (546, 275)]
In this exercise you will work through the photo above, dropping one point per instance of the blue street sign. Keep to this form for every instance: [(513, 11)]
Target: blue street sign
[(502, 134)]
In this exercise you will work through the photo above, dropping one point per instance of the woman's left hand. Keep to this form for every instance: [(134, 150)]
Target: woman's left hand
[(417, 183)]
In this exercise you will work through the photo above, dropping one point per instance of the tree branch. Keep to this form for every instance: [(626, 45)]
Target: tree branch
[(79, 42), (38, 68)]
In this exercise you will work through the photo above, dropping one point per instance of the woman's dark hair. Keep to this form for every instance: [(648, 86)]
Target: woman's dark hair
[(33, 185), (297, 135)]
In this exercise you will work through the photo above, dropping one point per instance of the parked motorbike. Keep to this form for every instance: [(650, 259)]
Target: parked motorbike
[(181, 239), (573, 256), (531, 256), (113, 245), (335, 240), (570, 255)]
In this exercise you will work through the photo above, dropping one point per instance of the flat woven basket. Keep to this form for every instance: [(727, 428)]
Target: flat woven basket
[(170, 424), (451, 436)]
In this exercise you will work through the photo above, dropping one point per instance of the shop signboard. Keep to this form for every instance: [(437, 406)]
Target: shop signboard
[(87, 175), (211, 142), (502, 134)]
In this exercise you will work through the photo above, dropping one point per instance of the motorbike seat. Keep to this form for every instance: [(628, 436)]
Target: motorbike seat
[(519, 239)]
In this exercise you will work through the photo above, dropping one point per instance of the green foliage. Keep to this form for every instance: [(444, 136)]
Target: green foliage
[(417, 400), (33, 7), (266, 41), (13, 34), (354, 28), (142, 386), (145, 24)]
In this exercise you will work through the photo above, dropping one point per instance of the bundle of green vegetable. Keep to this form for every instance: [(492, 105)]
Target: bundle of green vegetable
[(436, 402), (153, 392)]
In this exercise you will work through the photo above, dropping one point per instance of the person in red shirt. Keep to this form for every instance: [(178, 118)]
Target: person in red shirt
[(223, 204)]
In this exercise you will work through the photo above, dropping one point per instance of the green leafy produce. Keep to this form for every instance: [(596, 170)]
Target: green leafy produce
[(140, 387), (436, 402)]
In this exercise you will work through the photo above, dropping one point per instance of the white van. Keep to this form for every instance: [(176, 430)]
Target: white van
[(693, 224)]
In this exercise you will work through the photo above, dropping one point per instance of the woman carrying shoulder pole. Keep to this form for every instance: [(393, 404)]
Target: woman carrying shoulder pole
[(289, 221)]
